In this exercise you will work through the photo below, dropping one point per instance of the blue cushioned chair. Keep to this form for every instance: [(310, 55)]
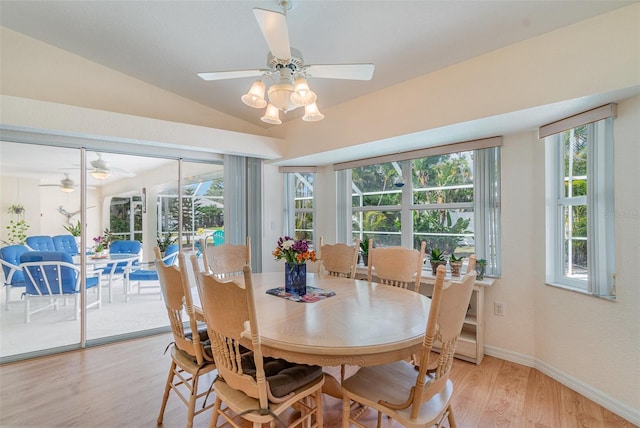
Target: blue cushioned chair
[(66, 243), (51, 275), (116, 271), (11, 270), (41, 243), (218, 237), (139, 275)]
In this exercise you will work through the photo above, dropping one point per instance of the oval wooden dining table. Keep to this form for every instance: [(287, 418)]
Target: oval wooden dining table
[(364, 324)]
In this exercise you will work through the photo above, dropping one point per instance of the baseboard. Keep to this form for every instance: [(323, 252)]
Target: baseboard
[(506, 355), (623, 410)]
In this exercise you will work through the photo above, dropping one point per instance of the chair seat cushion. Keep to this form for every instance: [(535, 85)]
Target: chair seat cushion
[(204, 341), (282, 376), (143, 275)]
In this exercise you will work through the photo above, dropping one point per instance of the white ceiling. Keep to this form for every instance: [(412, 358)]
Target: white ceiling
[(165, 43)]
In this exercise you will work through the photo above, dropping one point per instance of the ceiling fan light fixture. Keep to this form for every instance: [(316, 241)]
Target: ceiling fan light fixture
[(272, 115), (280, 96), (302, 95), (312, 113), (66, 189), (255, 97), (100, 174)]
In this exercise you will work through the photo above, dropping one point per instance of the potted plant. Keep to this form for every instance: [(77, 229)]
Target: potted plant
[(164, 241), (481, 266), (17, 231), (99, 248), (437, 258), (17, 209), (455, 263), (364, 251), (74, 230)]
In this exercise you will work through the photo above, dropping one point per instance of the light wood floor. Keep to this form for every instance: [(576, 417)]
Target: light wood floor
[(121, 385)]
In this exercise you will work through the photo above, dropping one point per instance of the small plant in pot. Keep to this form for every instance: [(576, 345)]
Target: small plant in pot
[(481, 266), (455, 263), (364, 251), (437, 258)]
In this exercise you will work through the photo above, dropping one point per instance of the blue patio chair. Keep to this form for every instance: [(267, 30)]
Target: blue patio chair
[(139, 275), (50, 276), (218, 237), (66, 243), (11, 271), (41, 243), (198, 244), (116, 271)]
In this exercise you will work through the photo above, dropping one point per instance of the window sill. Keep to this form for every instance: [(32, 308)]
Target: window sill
[(580, 291)]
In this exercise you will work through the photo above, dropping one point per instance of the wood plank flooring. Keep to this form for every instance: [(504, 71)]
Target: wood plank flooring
[(121, 385)]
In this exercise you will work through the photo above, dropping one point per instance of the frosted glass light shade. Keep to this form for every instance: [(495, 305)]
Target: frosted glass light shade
[(280, 96), (272, 115), (66, 189), (302, 95), (255, 97), (312, 114)]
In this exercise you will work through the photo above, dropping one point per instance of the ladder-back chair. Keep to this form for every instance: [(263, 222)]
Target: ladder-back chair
[(338, 259), (226, 260), (190, 352), (422, 399), (257, 389), (396, 266)]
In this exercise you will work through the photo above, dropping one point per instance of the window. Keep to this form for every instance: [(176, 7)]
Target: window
[(299, 200), (445, 199), (579, 170)]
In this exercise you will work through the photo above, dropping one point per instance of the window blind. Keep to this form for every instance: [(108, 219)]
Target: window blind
[(444, 149), (590, 116)]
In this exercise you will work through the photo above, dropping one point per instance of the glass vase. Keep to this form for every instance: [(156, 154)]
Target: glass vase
[(295, 278)]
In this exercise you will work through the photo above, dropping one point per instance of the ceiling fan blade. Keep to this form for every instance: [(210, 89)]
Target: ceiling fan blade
[(340, 71), (221, 75), (121, 172), (275, 32)]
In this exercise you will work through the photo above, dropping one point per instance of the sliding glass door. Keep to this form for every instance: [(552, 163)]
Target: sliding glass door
[(127, 198)]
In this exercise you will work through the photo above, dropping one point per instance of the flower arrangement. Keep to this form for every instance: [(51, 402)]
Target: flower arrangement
[(99, 244), (294, 251)]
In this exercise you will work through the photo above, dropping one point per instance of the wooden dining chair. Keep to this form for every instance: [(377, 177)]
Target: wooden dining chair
[(226, 260), (191, 355), (340, 260), (394, 389), (256, 389), (396, 266)]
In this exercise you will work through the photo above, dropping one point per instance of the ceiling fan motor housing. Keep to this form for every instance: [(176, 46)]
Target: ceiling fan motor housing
[(294, 63)]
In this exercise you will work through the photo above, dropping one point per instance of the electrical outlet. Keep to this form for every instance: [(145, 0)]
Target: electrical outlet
[(498, 308)]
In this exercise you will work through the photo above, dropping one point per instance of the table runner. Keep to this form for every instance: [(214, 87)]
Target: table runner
[(313, 294)]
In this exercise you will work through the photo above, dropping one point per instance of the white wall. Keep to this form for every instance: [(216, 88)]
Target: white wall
[(596, 341), (41, 207)]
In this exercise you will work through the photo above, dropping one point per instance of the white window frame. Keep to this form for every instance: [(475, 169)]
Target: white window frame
[(290, 210), (600, 278), (486, 205)]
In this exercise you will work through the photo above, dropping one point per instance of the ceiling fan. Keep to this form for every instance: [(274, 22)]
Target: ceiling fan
[(66, 185), (101, 170), (287, 70)]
